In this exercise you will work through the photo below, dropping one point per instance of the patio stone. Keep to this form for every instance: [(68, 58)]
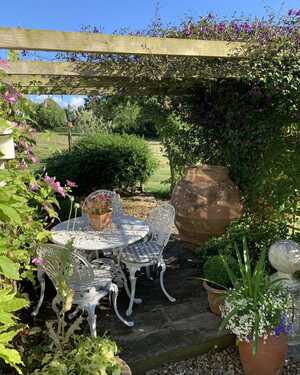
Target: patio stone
[(167, 332)]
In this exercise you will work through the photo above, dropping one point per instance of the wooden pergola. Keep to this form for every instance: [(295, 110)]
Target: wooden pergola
[(89, 78)]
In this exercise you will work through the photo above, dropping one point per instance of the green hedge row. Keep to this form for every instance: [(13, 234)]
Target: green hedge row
[(104, 161)]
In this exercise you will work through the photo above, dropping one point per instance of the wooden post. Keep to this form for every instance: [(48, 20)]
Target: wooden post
[(70, 126)]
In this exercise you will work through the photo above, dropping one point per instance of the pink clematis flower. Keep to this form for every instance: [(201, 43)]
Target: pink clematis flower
[(71, 184), (55, 185), (39, 261), (34, 187), (4, 64)]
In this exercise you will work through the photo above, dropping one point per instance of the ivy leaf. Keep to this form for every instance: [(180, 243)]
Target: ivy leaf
[(10, 213), (9, 268)]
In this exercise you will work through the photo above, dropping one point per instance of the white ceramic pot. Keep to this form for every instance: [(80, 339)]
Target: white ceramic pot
[(7, 147)]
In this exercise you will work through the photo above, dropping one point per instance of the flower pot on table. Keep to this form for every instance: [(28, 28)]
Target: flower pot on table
[(270, 356), (100, 221)]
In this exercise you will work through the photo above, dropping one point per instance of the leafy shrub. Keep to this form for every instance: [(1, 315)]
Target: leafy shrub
[(215, 271), (50, 115), (259, 236), (107, 161), (91, 356)]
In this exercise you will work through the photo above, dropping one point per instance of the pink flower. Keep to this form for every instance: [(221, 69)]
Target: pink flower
[(4, 64), (55, 185), (71, 184), (11, 95), (39, 261), (58, 188), (33, 159), (34, 186)]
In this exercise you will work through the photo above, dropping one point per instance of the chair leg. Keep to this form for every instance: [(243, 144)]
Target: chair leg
[(115, 291), (132, 272), (74, 313), (92, 318), (125, 284), (162, 272), (148, 273), (41, 279)]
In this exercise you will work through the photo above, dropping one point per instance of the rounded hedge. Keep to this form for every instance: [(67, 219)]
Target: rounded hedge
[(215, 271), (104, 161)]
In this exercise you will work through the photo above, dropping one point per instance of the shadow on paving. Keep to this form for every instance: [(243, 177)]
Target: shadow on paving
[(165, 331)]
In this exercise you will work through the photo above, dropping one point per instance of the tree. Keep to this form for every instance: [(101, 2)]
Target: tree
[(50, 115)]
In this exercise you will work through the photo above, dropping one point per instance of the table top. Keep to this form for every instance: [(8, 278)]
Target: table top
[(125, 230)]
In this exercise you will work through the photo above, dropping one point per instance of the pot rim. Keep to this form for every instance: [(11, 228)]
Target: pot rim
[(207, 167), (210, 289)]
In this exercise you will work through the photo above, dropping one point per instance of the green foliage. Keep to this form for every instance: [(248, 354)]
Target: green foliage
[(50, 115), (215, 272), (106, 161), (129, 115), (9, 304), (90, 356), (260, 236), (257, 306), (86, 122)]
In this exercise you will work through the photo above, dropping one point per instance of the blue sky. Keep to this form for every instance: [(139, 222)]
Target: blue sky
[(111, 15)]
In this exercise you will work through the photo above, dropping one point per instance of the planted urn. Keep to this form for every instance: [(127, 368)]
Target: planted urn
[(99, 211), (216, 280)]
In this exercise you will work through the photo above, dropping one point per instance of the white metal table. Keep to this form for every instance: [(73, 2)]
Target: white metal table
[(125, 230)]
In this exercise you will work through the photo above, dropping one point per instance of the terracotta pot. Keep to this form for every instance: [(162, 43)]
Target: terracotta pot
[(205, 200), (216, 298), (125, 368), (269, 359), (100, 222)]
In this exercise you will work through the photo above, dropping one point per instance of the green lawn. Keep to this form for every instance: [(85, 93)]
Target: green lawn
[(50, 142)]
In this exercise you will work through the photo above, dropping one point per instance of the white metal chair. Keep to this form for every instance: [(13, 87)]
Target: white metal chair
[(89, 282), (117, 207), (150, 253)]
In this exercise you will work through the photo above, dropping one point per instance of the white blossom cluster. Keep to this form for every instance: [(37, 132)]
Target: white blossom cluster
[(270, 312)]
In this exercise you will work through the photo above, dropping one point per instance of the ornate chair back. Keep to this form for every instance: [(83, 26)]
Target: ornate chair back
[(58, 263), (160, 221), (116, 201)]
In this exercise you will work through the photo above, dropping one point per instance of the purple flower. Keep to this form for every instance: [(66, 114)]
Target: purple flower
[(71, 184), (285, 326), (221, 27), (34, 186), (246, 27), (39, 261), (188, 30)]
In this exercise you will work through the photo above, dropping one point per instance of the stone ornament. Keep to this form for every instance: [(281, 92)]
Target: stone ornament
[(284, 256)]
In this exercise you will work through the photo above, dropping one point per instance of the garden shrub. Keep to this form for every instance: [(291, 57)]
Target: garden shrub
[(214, 270), (259, 236), (106, 161)]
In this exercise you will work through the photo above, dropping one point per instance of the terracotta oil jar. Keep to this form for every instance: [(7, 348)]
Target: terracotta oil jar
[(270, 356), (205, 200)]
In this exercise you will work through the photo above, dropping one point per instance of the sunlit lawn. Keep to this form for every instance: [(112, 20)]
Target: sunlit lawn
[(50, 142)]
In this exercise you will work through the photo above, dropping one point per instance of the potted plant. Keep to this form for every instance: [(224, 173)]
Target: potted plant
[(257, 311), (216, 280), (99, 211)]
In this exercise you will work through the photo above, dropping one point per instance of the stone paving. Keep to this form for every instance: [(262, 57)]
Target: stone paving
[(166, 331)]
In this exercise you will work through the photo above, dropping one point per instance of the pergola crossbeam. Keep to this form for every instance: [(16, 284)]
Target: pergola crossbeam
[(48, 40)]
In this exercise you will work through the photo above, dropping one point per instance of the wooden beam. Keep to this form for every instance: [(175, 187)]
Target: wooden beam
[(48, 40), (68, 69)]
